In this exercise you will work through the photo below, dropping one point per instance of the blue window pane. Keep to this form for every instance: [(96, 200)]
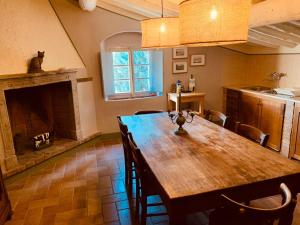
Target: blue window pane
[(122, 86), (120, 58), (142, 85), (140, 57), (141, 71), (121, 72)]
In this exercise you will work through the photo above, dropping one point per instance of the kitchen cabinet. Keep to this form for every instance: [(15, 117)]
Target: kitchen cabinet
[(295, 137), (249, 109), (232, 107), (265, 113), (271, 121)]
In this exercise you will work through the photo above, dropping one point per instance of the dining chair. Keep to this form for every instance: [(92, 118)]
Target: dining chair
[(147, 112), (146, 185), (216, 117), (129, 165), (252, 133), (235, 213)]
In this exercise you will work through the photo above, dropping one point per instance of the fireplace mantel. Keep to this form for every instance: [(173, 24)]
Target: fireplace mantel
[(8, 159), (36, 79), (32, 75)]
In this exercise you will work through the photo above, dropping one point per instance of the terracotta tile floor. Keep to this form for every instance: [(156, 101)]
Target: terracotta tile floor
[(82, 186)]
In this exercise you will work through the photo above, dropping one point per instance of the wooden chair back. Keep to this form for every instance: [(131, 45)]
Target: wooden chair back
[(235, 213), (252, 133), (147, 112), (124, 133), (216, 117), (126, 147), (137, 158)]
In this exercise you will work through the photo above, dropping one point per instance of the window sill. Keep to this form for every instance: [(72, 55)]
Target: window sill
[(125, 97)]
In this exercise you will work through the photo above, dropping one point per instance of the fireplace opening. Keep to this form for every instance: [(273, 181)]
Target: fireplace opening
[(40, 110)]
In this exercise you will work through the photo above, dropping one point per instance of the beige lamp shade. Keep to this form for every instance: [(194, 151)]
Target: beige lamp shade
[(160, 32), (213, 22)]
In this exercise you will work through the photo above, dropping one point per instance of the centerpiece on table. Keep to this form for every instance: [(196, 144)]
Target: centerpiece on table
[(179, 118)]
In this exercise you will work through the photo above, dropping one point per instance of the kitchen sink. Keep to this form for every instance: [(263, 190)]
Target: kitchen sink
[(259, 89), (271, 91)]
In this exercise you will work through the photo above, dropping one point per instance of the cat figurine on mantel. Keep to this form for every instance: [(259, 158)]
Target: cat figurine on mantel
[(35, 65)]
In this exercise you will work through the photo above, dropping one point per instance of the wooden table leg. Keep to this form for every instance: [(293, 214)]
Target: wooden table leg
[(169, 104), (201, 106)]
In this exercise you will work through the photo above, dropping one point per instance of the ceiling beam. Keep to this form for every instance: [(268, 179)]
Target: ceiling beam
[(120, 11), (272, 31), (289, 28), (145, 9), (274, 11), (271, 40), (262, 43), (296, 22)]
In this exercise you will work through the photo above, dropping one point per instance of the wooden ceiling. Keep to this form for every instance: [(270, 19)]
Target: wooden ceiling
[(282, 34), (142, 9), (270, 25)]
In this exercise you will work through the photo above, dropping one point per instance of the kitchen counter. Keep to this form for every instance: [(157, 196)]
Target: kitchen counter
[(274, 96), (275, 114)]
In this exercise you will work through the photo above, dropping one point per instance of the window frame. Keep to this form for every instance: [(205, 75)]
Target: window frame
[(132, 93), (119, 66), (148, 65)]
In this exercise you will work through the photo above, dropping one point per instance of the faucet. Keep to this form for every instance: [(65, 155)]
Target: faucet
[(277, 76)]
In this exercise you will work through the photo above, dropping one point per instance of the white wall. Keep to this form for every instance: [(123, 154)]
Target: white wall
[(261, 66), (87, 113), (27, 26)]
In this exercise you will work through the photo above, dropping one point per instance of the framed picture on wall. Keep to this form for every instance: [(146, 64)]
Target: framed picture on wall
[(180, 67), (198, 60), (180, 53)]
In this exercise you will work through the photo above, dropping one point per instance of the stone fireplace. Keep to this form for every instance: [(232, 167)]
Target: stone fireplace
[(31, 104), (40, 109)]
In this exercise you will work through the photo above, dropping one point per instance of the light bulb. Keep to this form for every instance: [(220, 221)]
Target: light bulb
[(162, 28), (213, 14)]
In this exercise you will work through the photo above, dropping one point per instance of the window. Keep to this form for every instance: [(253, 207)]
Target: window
[(121, 72), (131, 72), (141, 70)]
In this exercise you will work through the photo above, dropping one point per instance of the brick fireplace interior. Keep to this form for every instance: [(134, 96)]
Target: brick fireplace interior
[(40, 109)]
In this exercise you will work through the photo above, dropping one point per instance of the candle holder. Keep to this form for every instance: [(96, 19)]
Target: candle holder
[(180, 119)]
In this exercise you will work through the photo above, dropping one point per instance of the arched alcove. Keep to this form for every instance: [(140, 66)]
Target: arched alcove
[(140, 73)]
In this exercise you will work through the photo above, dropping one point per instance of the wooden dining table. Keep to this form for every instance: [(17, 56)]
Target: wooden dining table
[(192, 171)]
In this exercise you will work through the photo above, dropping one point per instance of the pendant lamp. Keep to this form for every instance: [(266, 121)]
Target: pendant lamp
[(213, 22), (160, 32)]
